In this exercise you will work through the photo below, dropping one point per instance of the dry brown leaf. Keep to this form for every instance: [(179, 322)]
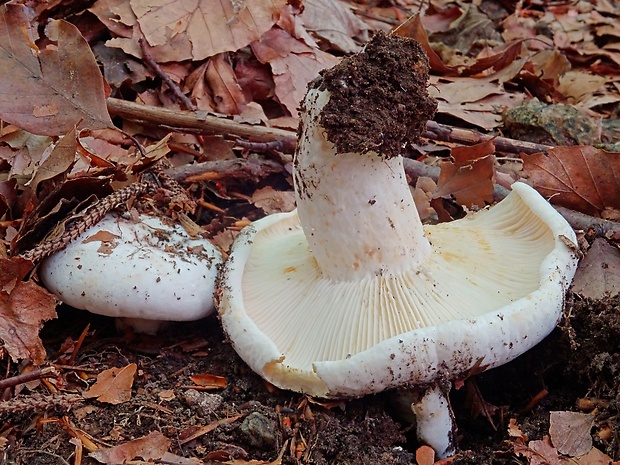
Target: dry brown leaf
[(570, 432), (294, 64), (583, 178), (413, 28), (23, 151), (598, 274), (272, 201), (577, 84), (195, 432), (595, 457), (59, 161), (209, 27), (51, 90), (514, 430), (149, 448), (333, 21), (227, 94), (24, 306), (476, 403), (543, 453), (470, 177), (113, 386)]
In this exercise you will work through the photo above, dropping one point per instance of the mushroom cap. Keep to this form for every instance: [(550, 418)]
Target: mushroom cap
[(492, 287), (139, 270)]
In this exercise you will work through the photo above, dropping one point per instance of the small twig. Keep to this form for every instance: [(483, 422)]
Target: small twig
[(37, 373), (238, 168), (76, 368), (195, 122), (436, 131), (151, 63), (78, 345)]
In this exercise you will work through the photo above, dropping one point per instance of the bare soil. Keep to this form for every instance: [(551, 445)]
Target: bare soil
[(579, 360)]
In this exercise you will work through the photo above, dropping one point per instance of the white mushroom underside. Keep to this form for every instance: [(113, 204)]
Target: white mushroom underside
[(478, 265), (493, 287)]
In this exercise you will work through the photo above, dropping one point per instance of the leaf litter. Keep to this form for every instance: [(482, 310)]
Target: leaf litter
[(555, 404)]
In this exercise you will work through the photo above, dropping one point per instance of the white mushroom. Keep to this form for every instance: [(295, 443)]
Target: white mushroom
[(350, 294), (143, 272)]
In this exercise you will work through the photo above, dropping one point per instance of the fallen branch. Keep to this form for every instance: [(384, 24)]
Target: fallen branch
[(37, 373), (203, 123), (237, 168), (199, 122)]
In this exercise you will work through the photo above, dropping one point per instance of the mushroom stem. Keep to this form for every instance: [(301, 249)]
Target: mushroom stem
[(365, 196), (435, 424)]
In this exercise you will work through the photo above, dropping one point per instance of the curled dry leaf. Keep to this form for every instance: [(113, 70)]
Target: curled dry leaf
[(470, 177), (272, 201), (58, 162), (598, 274), (293, 63), (570, 432), (207, 27), (149, 448), (113, 386), (41, 90), (584, 178), (24, 306), (333, 21)]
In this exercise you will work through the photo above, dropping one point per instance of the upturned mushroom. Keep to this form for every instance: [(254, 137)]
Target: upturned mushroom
[(143, 272), (351, 294)]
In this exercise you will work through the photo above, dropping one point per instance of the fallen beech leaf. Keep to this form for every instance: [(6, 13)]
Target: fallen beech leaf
[(582, 178), (209, 381), (24, 306), (477, 404), (59, 161), (333, 21), (470, 178), (196, 432), (150, 447), (598, 273), (413, 28), (514, 430), (272, 201), (113, 386), (51, 90), (595, 457), (570, 432), (209, 27), (227, 93), (545, 454), (293, 62)]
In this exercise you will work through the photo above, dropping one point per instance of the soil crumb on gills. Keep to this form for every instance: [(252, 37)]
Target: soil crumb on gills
[(379, 99)]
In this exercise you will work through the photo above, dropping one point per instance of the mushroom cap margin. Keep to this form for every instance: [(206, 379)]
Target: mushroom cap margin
[(420, 356)]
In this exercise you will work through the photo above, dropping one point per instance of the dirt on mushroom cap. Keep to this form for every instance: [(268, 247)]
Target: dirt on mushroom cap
[(379, 99)]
